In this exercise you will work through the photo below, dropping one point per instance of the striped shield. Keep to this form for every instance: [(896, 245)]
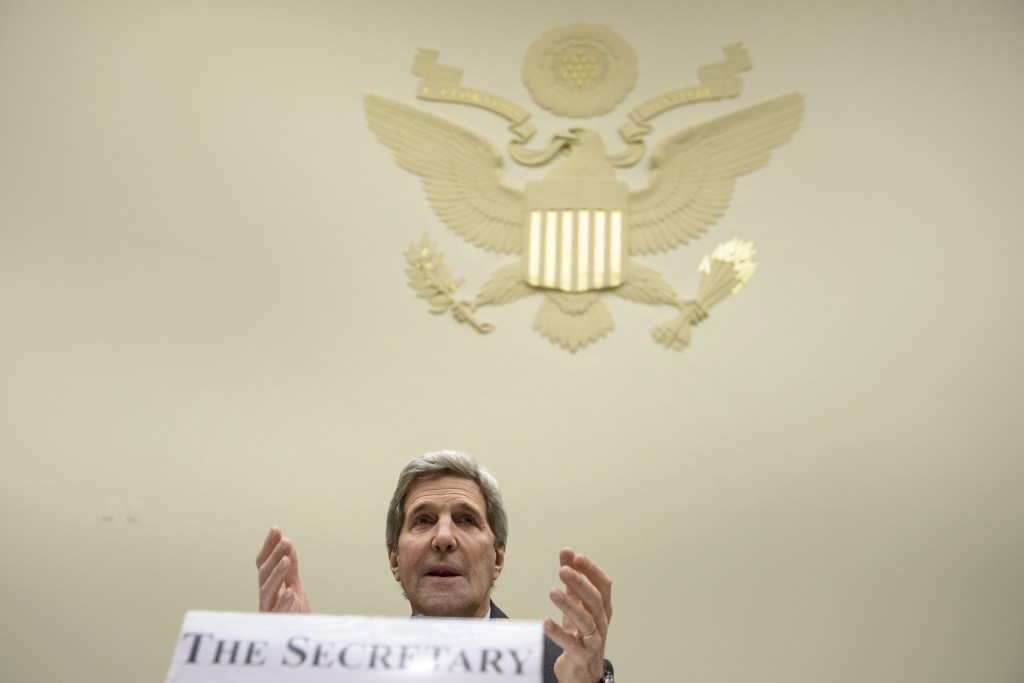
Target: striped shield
[(576, 234)]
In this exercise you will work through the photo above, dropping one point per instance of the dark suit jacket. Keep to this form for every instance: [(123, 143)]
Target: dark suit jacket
[(551, 650)]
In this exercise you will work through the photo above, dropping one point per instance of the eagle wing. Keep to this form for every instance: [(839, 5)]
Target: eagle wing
[(460, 170), (695, 170)]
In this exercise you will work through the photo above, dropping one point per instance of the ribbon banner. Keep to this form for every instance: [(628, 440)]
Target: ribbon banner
[(444, 84), (235, 647), (717, 81)]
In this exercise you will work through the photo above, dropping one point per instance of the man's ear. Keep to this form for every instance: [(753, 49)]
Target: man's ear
[(499, 561), (393, 561)]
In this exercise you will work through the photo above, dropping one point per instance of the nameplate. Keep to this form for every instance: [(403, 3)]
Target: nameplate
[(229, 647)]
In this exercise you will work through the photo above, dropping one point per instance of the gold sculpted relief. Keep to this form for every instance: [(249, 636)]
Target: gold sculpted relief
[(578, 230)]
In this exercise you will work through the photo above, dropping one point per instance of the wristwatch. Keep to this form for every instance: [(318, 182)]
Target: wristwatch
[(609, 675)]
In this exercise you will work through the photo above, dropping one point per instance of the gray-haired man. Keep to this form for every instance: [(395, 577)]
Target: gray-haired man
[(446, 536)]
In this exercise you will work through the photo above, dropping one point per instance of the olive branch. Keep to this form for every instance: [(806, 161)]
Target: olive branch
[(433, 281)]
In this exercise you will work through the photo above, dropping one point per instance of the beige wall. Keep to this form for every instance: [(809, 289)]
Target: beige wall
[(204, 311)]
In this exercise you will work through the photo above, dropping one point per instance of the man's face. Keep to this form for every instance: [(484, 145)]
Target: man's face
[(446, 559)]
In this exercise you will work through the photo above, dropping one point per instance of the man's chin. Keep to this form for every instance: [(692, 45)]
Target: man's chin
[(447, 605)]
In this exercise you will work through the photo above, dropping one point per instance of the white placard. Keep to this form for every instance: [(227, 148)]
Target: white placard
[(229, 647)]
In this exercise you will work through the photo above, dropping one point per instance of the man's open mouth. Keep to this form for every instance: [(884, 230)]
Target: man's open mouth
[(443, 572)]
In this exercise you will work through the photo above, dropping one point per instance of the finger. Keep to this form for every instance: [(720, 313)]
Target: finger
[(566, 556), (598, 578), (283, 549), (586, 598), (584, 611), (577, 620), (583, 590), (271, 589), (565, 559), (586, 662), (286, 601), (273, 538), (566, 641)]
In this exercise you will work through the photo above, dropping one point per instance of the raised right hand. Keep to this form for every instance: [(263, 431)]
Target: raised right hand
[(278, 564)]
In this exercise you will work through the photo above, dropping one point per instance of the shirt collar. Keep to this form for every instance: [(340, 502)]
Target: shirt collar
[(484, 618)]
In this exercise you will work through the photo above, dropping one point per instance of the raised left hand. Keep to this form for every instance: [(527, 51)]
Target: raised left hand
[(586, 606)]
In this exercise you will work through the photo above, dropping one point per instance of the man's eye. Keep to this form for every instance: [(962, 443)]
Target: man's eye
[(468, 520), (421, 520)]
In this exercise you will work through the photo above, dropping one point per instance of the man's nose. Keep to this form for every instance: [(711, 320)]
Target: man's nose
[(444, 535)]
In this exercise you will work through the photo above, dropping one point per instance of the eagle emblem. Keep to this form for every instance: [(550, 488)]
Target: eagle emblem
[(579, 231)]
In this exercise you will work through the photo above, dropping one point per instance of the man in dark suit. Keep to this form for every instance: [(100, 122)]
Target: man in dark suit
[(446, 535)]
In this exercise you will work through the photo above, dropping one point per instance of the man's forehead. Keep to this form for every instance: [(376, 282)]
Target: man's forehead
[(445, 489)]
